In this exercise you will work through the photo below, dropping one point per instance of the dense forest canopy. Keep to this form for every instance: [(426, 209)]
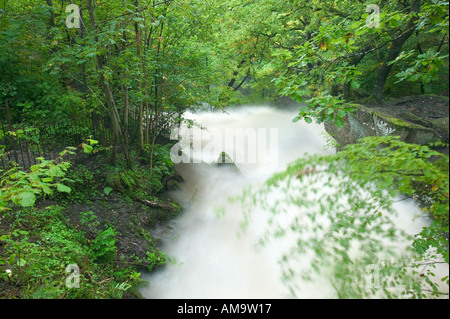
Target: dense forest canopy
[(169, 55), (136, 65)]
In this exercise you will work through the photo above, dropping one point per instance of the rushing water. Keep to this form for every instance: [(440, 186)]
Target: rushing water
[(211, 260)]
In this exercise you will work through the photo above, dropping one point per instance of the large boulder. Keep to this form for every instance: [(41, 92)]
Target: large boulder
[(441, 126), (225, 160), (379, 121)]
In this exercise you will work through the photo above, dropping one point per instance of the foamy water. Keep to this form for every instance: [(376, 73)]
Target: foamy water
[(211, 260)]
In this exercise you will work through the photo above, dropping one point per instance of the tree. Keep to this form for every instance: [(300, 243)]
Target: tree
[(395, 48), (328, 50), (153, 55)]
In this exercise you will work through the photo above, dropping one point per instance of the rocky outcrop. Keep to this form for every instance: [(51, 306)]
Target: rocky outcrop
[(395, 121), (225, 160), (441, 125)]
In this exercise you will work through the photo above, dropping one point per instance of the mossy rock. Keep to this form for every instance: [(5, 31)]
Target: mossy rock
[(366, 122), (442, 127), (412, 118)]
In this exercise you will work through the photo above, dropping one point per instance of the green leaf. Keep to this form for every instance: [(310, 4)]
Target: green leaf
[(21, 262), (27, 199), (56, 171), (92, 142), (47, 190), (107, 190), (87, 148), (339, 122), (63, 188), (11, 259)]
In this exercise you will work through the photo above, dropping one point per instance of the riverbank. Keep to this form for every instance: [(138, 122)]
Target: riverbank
[(102, 229)]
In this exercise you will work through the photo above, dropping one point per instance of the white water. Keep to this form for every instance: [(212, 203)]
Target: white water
[(211, 260)]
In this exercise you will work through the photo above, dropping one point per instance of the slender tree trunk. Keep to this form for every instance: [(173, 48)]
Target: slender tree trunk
[(83, 65), (112, 110), (394, 50), (8, 115), (141, 102), (149, 114), (157, 86), (125, 109), (243, 81)]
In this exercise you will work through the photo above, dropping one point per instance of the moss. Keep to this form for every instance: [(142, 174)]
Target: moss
[(401, 123), (398, 123)]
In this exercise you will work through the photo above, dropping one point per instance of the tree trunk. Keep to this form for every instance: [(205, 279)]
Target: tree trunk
[(235, 74), (394, 50), (141, 102), (111, 107), (8, 115)]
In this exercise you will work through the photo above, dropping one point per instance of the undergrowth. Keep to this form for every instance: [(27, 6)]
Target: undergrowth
[(40, 247)]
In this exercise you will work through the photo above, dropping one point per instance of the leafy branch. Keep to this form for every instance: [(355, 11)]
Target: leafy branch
[(23, 188)]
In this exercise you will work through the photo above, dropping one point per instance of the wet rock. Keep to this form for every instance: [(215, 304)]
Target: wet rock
[(378, 121), (442, 127), (225, 160)]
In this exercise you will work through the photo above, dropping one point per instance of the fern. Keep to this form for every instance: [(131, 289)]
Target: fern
[(124, 181)]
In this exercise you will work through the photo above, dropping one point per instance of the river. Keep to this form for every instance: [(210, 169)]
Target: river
[(212, 257)]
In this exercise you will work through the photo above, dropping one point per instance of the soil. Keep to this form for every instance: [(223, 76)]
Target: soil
[(133, 218)]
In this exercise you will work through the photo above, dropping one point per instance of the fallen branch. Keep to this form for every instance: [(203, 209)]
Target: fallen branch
[(154, 204), (143, 201)]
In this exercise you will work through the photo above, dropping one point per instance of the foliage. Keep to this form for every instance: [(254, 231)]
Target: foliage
[(38, 259), (160, 58), (325, 109), (167, 56), (338, 210), (39, 245), (104, 246), (124, 181), (22, 188), (329, 51), (162, 164), (143, 179), (154, 258), (84, 183)]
